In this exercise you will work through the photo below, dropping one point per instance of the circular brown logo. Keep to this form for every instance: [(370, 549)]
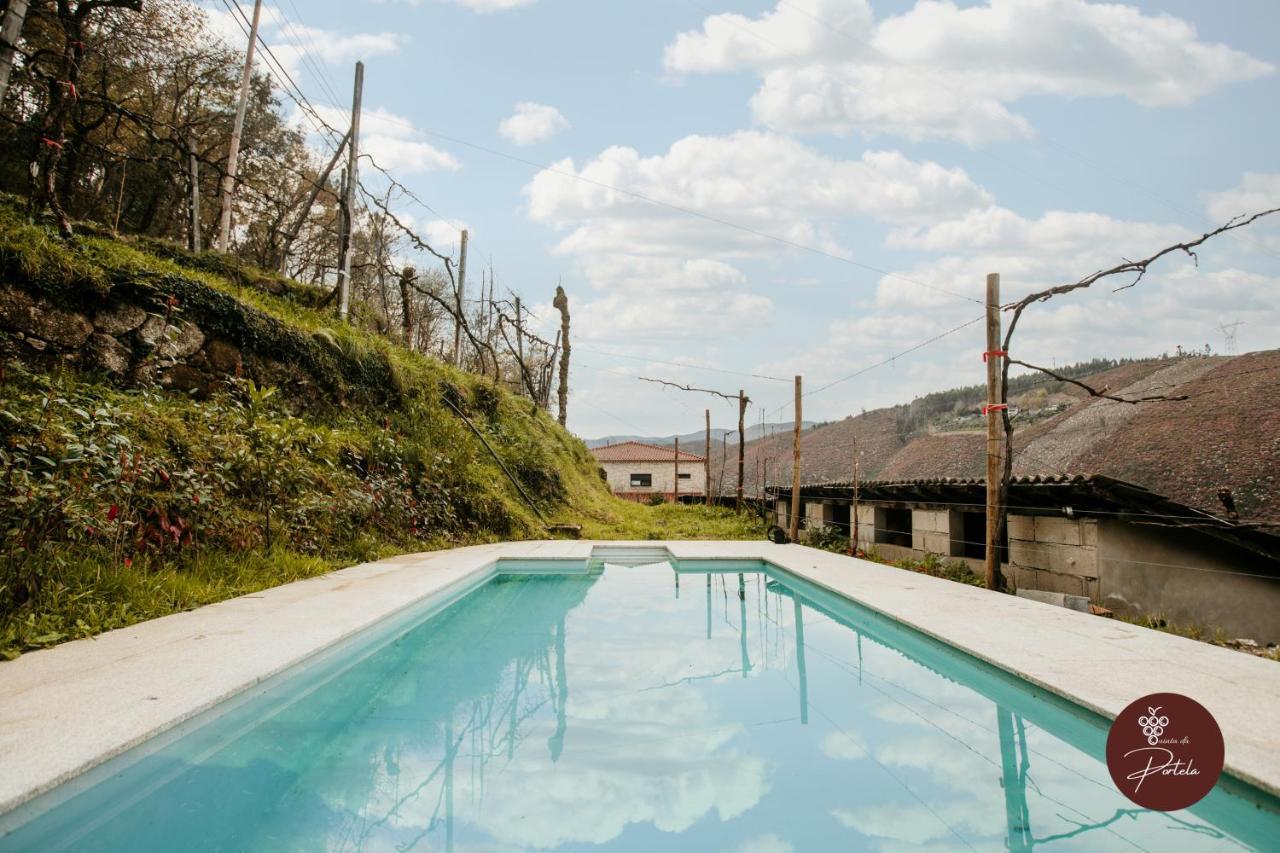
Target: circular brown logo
[(1165, 752)]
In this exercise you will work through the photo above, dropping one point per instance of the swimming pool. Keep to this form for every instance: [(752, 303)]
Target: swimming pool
[(707, 705)]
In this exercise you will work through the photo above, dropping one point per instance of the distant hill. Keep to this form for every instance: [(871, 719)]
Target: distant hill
[(1183, 449), (753, 431)]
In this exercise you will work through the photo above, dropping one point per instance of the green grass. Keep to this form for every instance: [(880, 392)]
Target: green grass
[(121, 504)]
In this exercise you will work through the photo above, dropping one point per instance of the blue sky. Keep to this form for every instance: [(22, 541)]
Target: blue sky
[(932, 141)]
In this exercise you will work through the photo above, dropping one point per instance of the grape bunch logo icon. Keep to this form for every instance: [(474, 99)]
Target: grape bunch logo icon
[(1165, 751), (1153, 725)]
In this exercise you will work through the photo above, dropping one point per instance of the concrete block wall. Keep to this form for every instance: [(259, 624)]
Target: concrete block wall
[(817, 514), (1055, 554), (931, 530)]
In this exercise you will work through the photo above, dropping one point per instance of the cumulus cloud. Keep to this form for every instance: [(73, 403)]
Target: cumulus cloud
[(481, 6), (391, 139), (944, 70), (290, 40), (532, 123), (761, 181)]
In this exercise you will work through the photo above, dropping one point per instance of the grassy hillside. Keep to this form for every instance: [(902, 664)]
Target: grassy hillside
[(132, 493)]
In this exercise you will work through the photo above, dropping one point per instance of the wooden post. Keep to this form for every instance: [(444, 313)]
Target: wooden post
[(742, 442), (853, 507), (193, 239), (458, 302), (706, 463), (520, 341), (675, 489), (561, 304), (353, 158), (994, 457), (407, 318), (237, 127), (795, 468), (10, 31)]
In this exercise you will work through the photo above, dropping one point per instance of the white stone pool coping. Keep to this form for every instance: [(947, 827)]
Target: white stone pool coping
[(68, 709)]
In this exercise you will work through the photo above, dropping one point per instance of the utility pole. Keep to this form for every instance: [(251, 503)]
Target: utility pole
[(675, 490), (10, 31), (193, 240), (742, 441), (992, 411), (795, 469), (461, 294), (706, 462), (233, 154), (349, 195)]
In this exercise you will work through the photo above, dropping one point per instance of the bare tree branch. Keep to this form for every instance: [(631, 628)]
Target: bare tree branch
[(1096, 392), (730, 397)]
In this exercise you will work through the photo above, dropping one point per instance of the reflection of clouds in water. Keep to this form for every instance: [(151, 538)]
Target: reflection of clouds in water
[(840, 746), (642, 744), (619, 777), (916, 825), (770, 843)]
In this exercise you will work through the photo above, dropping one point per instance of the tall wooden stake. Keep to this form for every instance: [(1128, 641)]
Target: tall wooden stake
[(237, 127), (561, 304), (994, 457), (353, 178), (853, 507), (460, 302), (193, 239), (742, 442), (520, 340), (795, 468), (10, 31), (706, 463), (675, 489)]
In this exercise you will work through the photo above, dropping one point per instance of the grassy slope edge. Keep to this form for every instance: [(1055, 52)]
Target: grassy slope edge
[(120, 504)]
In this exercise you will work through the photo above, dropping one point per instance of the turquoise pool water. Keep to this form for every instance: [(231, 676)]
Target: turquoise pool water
[(717, 707)]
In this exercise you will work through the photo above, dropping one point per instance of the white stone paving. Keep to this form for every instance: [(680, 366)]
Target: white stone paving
[(68, 709)]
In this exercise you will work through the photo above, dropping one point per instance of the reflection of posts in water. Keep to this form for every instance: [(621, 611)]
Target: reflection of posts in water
[(708, 605), (858, 634), (556, 743), (1014, 781), (676, 575), (742, 620), (800, 666), (451, 751)]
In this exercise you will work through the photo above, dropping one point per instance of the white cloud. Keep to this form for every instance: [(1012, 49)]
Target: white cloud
[(290, 40), (481, 6), (532, 123), (762, 182), (444, 236), (1257, 191), (392, 140), (770, 842), (945, 70)]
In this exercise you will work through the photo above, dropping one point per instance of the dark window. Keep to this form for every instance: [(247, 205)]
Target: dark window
[(973, 536), (686, 476), (645, 480), (893, 526)]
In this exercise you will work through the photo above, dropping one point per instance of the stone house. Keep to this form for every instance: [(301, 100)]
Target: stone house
[(638, 471)]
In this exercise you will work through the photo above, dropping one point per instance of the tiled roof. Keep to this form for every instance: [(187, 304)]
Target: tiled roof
[(638, 451)]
